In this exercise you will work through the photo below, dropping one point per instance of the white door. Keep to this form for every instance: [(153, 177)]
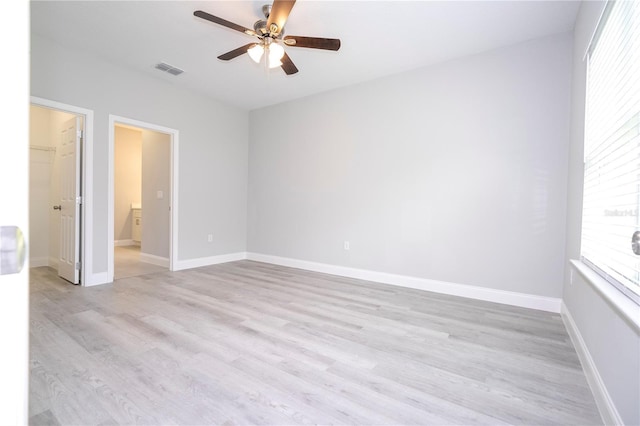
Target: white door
[(14, 212), (14, 280), (69, 256)]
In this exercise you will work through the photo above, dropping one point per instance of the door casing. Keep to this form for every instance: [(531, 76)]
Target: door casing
[(173, 222), (87, 276)]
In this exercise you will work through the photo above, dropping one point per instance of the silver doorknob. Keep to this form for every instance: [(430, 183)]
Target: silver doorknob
[(635, 242), (12, 250), (57, 207)]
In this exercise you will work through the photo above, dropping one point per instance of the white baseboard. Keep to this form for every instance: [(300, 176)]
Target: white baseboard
[(549, 304), (53, 262), (206, 261), (103, 277), (607, 408), (120, 243), (91, 279), (154, 260), (36, 262)]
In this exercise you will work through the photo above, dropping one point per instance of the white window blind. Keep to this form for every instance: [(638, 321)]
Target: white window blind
[(612, 149)]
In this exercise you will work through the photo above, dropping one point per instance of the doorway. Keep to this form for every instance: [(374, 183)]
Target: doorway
[(55, 170), (143, 197)]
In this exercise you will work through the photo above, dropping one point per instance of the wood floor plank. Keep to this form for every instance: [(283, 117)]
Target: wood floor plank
[(252, 343), (430, 403), (257, 396)]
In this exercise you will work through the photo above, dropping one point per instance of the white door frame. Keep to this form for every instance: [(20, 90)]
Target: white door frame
[(87, 277), (173, 221)]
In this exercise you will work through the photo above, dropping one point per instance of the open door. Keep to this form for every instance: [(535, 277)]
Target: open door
[(70, 201), (14, 213)]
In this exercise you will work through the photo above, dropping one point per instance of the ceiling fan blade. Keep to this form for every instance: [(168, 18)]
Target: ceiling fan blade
[(313, 42), (236, 52), (223, 22), (287, 65), (279, 13)]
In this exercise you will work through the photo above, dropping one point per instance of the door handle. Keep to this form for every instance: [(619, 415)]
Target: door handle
[(635, 243), (57, 207), (12, 250)]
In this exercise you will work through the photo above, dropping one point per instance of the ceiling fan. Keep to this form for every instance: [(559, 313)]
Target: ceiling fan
[(270, 35)]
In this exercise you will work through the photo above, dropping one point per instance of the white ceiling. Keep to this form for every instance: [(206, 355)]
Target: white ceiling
[(378, 38)]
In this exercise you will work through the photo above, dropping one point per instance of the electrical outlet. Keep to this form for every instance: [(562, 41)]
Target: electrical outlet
[(210, 238), (347, 245)]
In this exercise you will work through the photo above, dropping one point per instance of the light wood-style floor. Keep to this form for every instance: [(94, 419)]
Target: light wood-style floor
[(251, 343), (127, 263)]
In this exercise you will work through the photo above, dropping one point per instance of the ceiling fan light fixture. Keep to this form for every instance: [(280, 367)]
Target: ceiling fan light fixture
[(256, 53), (276, 52), (275, 64)]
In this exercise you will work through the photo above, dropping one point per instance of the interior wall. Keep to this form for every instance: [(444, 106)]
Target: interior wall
[(213, 144), (40, 165), (455, 172), (156, 193), (127, 178), (612, 342)]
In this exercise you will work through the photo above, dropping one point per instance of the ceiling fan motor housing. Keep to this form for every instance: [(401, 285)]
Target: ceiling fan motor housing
[(260, 27)]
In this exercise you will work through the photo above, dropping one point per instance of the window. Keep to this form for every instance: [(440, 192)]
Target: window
[(610, 216)]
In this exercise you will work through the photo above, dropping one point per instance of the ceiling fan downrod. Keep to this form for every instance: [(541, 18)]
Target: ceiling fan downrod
[(260, 26)]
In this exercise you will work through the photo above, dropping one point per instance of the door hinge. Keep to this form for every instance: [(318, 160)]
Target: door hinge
[(78, 200), (79, 134), (78, 265)]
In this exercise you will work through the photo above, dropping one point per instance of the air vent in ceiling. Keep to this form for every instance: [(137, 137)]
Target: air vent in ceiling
[(169, 68)]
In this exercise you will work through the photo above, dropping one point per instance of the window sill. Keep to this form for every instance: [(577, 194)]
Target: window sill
[(624, 306)]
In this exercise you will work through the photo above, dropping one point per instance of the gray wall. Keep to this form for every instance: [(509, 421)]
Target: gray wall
[(127, 179), (613, 343), (455, 172), (213, 144), (40, 175), (156, 176)]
